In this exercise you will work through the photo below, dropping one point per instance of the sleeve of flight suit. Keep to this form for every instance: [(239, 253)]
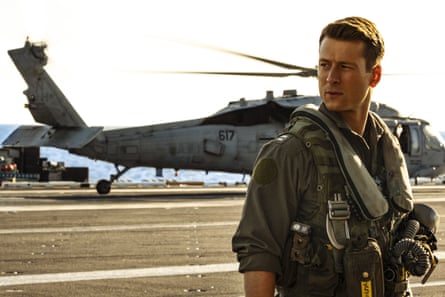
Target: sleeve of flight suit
[(280, 175)]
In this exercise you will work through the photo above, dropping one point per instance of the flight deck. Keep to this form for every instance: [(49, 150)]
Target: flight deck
[(172, 241)]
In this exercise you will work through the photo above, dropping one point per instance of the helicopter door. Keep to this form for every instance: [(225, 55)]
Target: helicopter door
[(410, 140)]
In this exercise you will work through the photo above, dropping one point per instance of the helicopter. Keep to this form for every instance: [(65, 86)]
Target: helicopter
[(227, 140)]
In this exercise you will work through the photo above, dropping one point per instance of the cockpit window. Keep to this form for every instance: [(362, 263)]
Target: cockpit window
[(433, 140), (409, 138)]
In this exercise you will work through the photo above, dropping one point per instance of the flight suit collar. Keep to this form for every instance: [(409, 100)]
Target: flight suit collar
[(373, 131)]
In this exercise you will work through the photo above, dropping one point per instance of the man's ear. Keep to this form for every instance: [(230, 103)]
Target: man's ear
[(376, 75)]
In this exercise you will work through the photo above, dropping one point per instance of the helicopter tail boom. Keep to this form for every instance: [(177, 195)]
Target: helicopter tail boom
[(46, 102), (62, 126)]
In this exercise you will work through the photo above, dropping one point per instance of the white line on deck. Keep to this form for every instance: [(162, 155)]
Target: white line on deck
[(115, 274), (115, 228), (142, 272), (141, 205)]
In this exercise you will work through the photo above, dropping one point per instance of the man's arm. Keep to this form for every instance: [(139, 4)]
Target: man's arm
[(259, 284)]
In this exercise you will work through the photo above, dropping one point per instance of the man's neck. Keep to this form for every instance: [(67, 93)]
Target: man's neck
[(356, 120)]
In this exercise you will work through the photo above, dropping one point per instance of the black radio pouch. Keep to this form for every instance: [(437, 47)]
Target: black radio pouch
[(363, 271), (297, 251)]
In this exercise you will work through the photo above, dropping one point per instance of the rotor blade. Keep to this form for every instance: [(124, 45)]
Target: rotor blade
[(252, 57), (309, 73), (261, 59)]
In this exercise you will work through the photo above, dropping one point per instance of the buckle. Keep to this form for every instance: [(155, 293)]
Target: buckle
[(338, 209)]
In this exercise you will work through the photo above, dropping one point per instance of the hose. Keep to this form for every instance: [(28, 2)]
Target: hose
[(414, 256), (411, 229)]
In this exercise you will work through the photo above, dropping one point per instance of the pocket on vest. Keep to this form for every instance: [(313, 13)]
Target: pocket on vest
[(364, 271), (321, 280)]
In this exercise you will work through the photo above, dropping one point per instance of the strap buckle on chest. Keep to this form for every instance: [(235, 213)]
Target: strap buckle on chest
[(337, 226), (338, 209)]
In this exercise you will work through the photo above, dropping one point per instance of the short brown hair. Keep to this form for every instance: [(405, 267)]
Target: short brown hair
[(358, 29)]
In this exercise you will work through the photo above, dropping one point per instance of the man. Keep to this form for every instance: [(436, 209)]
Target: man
[(287, 241)]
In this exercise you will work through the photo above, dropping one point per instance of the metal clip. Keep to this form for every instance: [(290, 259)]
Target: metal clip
[(338, 209), (434, 261)]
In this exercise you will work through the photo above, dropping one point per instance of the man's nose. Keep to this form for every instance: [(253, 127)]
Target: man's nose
[(333, 76)]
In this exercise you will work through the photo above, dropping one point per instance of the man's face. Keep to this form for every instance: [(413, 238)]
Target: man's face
[(343, 82)]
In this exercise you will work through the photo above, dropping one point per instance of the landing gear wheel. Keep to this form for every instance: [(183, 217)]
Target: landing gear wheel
[(103, 187)]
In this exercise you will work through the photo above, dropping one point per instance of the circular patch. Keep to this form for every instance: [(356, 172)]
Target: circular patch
[(265, 171)]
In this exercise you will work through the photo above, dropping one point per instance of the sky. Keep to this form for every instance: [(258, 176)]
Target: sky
[(101, 54)]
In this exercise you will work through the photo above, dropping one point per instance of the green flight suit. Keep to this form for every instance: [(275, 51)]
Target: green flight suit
[(286, 187)]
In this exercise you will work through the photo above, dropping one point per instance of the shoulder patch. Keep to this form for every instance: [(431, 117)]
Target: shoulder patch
[(265, 171)]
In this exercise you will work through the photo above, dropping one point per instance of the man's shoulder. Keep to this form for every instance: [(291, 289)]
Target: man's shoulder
[(284, 144)]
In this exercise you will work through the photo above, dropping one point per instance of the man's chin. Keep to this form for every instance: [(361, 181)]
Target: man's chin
[(333, 106)]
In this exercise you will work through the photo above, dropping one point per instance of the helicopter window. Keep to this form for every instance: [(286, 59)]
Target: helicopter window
[(415, 141), (433, 140), (402, 134)]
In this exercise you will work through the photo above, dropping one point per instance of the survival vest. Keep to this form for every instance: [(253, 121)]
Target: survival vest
[(351, 208), (334, 195), (337, 161)]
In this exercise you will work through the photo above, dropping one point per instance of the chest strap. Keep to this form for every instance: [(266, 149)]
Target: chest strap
[(337, 226)]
